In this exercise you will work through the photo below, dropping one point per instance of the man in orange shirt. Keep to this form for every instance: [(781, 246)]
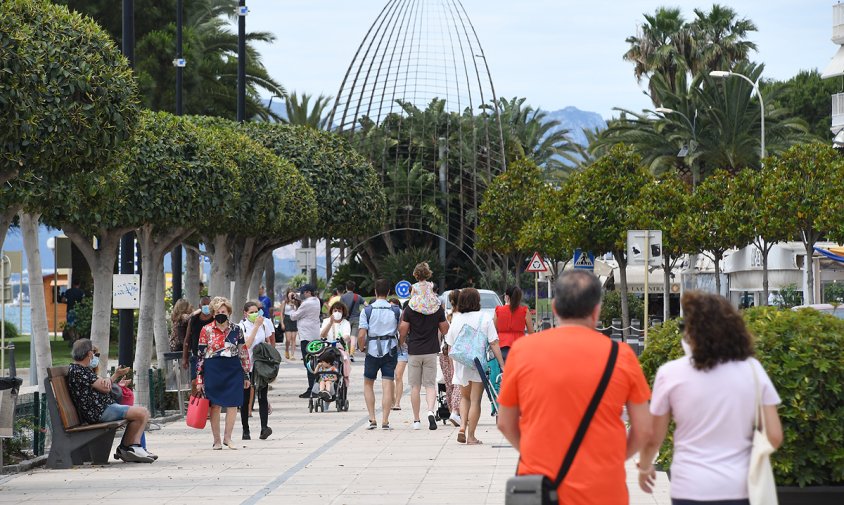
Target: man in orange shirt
[(549, 380)]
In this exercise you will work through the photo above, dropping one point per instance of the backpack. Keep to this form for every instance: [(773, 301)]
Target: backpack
[(267, 361), (469, 344), (381, 338)]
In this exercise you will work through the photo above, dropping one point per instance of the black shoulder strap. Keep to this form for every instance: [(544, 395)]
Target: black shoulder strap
[(587, 417)]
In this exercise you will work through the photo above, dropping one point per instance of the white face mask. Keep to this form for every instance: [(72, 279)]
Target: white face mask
[(337, 316), (687, 349)]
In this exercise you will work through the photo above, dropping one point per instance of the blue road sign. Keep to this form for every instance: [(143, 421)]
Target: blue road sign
[(584, 260), (403, 289)]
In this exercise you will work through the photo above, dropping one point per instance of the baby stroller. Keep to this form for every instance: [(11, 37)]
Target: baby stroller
[(491, 375), (335, 351)]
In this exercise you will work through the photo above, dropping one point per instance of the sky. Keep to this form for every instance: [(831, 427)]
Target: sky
[(557, 53)]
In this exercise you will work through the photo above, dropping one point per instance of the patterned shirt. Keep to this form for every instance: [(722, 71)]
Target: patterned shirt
[(89, 402), (222, 344)]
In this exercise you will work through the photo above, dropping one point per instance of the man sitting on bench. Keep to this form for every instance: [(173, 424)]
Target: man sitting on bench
[(90, 395)]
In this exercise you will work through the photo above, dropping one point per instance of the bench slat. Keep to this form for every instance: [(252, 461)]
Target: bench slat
[(106, 426)]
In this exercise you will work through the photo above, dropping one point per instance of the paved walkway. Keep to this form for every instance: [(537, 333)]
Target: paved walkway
[(326, 458)]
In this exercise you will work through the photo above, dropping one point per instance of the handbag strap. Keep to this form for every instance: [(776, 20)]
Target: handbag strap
[(759, 419), (587, 417)]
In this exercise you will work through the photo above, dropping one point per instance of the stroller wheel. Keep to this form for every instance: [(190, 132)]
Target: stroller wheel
[(346, 405), (311, 407)]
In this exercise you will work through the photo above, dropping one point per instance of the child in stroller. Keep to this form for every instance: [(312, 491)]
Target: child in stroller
[(327, 360)]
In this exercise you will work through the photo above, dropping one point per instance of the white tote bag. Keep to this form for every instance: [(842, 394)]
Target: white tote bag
[(761, 488)]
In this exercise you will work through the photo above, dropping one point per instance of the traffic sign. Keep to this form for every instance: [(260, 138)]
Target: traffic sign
[(584, 260), (403, 289), (536, 264), (637, 241)]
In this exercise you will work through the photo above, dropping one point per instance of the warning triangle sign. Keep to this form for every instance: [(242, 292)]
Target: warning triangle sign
[(536, 264)]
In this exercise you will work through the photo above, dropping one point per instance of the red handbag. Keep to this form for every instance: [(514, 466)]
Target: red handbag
[(197, 412)]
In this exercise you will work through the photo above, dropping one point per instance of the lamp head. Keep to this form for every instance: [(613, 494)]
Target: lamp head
[(720, 73), (664, 110)]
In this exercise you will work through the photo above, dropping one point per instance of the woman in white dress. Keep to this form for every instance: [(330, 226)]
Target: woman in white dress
[(471, 387)]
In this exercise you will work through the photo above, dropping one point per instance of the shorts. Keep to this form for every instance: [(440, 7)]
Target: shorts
[(422, 370), (289, 324), (403, 354), (385, 364), (114, 412)]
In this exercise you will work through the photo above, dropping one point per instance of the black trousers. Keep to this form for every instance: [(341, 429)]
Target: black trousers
[(303, 344), (263, 406)]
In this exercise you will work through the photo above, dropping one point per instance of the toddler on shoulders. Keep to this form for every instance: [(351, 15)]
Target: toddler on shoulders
[(423, 299)]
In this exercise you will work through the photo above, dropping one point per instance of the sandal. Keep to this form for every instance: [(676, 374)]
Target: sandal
[(230, 445), (476, 442), (372, 425), (216, 447), (461, 437)]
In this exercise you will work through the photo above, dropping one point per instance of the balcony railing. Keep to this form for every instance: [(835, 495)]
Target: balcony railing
[(838, 110)]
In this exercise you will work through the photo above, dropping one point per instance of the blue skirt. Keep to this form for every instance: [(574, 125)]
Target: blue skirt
[(223, 380)]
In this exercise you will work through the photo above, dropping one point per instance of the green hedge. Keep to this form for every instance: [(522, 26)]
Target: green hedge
[(803, 353)]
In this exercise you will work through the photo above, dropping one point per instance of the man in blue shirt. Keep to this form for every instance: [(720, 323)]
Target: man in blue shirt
[(378, 336)]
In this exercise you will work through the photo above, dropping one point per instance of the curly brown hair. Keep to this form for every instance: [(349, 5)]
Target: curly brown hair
[(715, 329), (338, 305)]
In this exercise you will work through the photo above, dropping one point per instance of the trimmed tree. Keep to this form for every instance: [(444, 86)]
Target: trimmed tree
[(805, 185), (547, 230), (600, 201)]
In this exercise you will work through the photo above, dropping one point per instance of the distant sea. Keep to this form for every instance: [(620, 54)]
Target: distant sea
[(13, 314)]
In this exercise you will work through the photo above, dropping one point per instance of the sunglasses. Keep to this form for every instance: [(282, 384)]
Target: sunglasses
[(96, 354)]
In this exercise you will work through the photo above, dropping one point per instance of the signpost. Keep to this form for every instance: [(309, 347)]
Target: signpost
[(402, 289), (536, 265), (644, 248), (306, 259)]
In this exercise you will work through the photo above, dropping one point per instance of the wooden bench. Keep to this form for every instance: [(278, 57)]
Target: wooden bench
[(74, 443)]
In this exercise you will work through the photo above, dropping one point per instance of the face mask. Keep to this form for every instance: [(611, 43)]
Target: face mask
[(221, 318), (337, 316), (687, 349), (261, 312), (206, 309), (252, 317), (95, 362)]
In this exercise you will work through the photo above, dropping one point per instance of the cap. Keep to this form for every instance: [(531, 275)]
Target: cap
[(307, 287)]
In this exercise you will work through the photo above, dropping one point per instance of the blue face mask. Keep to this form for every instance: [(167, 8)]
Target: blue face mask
[(206, 309), (261, 312), (95, 362)]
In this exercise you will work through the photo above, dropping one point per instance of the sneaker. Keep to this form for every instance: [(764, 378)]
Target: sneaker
[(432, 421), (266, 432), (386, 427), (151, 455), (455, 419), (417, 425), (306, 394), (325, 395), (372, 425), (134, 454), (246, 436)]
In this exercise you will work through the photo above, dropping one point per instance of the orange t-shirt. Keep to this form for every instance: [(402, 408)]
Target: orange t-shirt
[(551, 377)]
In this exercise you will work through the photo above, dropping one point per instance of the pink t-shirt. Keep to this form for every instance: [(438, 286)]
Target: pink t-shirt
[(713, 411)]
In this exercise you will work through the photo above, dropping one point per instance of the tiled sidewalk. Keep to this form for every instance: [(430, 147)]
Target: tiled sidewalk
[(326, 458)]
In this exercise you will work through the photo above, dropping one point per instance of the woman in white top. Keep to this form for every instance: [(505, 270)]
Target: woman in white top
[(337, 327), (711, 395), (288, 325), (471, 388)]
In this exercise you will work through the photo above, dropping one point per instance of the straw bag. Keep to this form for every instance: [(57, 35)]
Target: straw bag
[(761, 487), (197, 412)]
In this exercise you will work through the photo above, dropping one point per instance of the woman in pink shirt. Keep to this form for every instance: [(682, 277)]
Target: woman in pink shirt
[(711, 395)]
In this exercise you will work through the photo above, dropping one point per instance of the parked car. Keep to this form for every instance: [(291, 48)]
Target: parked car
[(826, 308), (489, 300)]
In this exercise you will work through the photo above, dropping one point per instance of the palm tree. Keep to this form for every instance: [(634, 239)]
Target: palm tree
[(719, 39), (300, 111), (660, 46)]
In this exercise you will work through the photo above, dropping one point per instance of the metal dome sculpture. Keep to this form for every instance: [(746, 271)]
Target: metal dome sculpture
[(419, 101)]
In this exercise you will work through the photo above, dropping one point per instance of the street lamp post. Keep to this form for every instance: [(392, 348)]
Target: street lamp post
[(723, 74)]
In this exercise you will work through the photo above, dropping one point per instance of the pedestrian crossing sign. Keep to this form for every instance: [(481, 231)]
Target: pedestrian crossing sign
[(536, 265), (584, 260)]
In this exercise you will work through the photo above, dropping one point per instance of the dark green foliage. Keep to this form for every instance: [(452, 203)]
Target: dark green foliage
[(807, 96), (834, 293), (67, 95), (611, 307), (399, 266), (11, 330), (352, 270), (803, 354)]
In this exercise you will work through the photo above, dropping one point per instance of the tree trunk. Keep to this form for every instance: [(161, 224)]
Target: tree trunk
[(717, 257), (666, 288), (269, 277), (313, 277), (152, 259), (622, 288), (6, 217), (809, 295), (37, 304), (102, 262), (192, 276), (388, 241), (220, 257), (162, 338), (328, 269), (255, 283), (765, 249)]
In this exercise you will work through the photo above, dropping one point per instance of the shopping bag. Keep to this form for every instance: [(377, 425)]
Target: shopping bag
[(197, 412)]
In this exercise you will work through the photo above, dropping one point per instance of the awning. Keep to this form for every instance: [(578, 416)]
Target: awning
[(835, 66), (636, 280)]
